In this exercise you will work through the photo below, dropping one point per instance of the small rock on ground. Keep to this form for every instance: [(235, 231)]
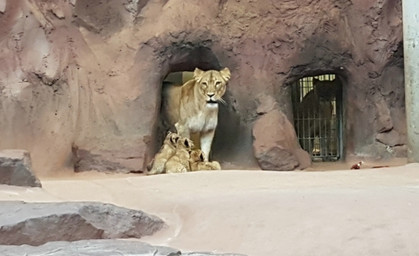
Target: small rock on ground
[(16, 169)]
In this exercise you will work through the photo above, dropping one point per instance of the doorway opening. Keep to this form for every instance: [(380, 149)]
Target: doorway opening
[(317, 109), (180, 69)]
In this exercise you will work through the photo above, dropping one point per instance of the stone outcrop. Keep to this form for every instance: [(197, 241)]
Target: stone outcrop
[(38, 223), (277, 149), (100, 247), (90, 74), (16, 169)]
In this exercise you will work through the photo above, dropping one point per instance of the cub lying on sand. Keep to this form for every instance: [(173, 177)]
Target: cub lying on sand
[(179, 162), (193, 107), (197, 162), (177, 155), (167, 150)]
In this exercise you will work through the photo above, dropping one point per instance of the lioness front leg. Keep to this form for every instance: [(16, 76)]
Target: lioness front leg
[(206, 142)]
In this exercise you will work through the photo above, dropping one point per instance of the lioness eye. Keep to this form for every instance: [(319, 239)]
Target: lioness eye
[(204, 84), (217, 84)]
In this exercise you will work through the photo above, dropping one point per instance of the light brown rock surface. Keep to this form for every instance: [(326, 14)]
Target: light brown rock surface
[(88, 74)]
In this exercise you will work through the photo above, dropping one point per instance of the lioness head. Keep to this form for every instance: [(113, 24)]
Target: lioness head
[(212, 84)]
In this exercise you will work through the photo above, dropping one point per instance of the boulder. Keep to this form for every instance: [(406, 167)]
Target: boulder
[(16, 169), (98, 247), (38, 223), (275, 142)]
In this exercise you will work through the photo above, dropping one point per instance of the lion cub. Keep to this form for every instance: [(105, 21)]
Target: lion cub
[(179, 162), (197, 162), (167, 150)]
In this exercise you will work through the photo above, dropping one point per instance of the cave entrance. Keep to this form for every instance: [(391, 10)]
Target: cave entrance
[(317, 109), (178, 70)]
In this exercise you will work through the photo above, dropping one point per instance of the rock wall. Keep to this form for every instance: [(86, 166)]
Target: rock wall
[(86, 75)]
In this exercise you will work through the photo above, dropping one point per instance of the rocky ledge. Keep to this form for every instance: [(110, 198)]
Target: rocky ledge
[(79, 228), (39, 223), (99, 247)]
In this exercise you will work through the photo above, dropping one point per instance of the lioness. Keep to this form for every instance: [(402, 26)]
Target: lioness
[(193, 107), (198, 163), (167, 150), (179, 162)]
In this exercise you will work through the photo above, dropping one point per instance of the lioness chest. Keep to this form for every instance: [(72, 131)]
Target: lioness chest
[(203, 121)]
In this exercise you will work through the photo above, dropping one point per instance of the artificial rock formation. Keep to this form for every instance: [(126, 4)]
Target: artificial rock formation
[(38, 223), (87, 75), (16, 169), (100, 247), (277, 149)]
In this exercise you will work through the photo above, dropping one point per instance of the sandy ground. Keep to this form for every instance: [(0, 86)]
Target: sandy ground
[(358, 212)]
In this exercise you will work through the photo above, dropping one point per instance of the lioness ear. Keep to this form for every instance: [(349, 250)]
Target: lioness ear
[(225, 74), (197, 74), (201, 157)]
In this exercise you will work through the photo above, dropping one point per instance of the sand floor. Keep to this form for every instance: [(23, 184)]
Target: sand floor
[(349, 212)]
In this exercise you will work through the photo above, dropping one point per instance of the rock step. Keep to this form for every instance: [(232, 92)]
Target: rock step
[(99, 247), (39, 223)]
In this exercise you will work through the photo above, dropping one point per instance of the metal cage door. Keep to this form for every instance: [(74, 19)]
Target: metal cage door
[(318, 116)]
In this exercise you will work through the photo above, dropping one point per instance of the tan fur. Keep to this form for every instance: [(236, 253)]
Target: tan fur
[(167, 150), (198, 163), (179, 162), (193, 107)]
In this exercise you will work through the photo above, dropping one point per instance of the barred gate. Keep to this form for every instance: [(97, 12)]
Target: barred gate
[(317, 112)]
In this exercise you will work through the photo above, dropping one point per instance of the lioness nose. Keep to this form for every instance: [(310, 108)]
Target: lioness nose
[(210, 94)]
